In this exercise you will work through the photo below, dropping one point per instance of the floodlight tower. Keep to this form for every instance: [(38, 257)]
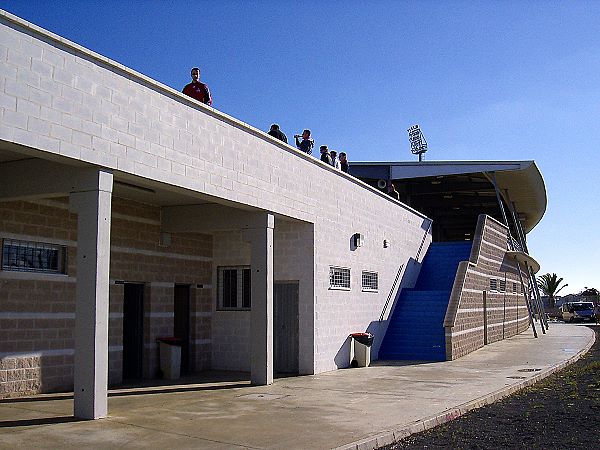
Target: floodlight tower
[(418, 144)]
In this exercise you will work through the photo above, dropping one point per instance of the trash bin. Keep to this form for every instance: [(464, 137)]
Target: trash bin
[(170, 357), (361, 349)]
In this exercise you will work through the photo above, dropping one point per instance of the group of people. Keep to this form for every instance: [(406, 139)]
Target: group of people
[(199, 91), (305, 144)]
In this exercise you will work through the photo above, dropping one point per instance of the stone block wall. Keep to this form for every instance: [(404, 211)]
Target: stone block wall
[(37, 311), (115, 334), (478, 314), (292, 261)]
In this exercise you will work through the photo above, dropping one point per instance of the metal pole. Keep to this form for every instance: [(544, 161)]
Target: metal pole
[(537, 293), (519, 228), (527, 303), (493, 179), (513, 211)]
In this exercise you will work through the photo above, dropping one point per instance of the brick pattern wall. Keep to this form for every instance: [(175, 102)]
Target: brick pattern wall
[(292, 261), (201, 303), (230, 329), (339, 312), (505, 311), (115, 334), (37, 311)]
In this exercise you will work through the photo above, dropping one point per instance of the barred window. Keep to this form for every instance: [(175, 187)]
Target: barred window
[(370, 281), (502, 285), (514, 288), (27, 256), (339, 278), (493, 284), (233, 288)]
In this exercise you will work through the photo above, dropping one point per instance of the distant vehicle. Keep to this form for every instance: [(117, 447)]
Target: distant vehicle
[(578, 311)]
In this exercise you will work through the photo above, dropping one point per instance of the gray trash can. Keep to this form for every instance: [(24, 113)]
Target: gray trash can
[(361, 349), (170, 357)]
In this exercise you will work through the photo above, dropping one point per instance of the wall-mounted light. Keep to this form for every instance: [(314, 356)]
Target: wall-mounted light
[(358, 239), (386, 243)]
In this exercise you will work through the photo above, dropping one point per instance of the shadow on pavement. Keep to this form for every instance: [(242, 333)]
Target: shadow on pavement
[(42, 421)]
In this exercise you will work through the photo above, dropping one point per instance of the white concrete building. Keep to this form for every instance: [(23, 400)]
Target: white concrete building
[(121, 200)]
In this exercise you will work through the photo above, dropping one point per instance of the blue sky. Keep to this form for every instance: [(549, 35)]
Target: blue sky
[(484, 79)]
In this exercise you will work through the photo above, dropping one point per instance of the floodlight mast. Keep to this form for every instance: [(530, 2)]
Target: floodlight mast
[(418, 144)]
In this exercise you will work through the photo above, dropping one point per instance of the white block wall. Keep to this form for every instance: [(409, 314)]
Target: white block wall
[(66, 101), (292, 261)]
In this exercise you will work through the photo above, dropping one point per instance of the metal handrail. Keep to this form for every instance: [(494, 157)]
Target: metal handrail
[(387, 302), (423, 241), (391, 293)]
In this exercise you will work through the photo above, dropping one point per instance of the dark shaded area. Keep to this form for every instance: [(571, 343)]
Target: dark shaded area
[(453, 201), (559, 412), (42, 421)]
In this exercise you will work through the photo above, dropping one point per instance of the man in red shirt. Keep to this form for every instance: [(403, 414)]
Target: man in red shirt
[(197, 89)]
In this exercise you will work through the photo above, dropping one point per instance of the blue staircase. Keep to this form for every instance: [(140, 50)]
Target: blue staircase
[(416, 328)]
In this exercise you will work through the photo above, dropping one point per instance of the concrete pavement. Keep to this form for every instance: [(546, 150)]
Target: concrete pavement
[(350, 408)]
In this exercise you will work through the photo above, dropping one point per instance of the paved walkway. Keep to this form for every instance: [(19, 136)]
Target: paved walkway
[(351, 408)]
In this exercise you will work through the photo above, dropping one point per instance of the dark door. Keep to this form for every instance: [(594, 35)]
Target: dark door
[(285, 324), (181, 326), (133, 331)]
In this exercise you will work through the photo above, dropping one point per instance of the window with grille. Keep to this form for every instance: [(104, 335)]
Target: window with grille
[(493, 284), (514, 288), (27, 256), (502, 285), (233, 288), (370, 281), (339, 278)]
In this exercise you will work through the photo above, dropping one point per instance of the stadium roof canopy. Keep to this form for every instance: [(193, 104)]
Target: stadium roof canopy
[(454, 193)]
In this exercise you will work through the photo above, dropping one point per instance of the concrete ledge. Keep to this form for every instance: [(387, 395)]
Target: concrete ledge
[(66, 45), (393, 436)]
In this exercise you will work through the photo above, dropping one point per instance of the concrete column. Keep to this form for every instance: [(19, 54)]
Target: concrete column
[(260, 236), (93, 207)]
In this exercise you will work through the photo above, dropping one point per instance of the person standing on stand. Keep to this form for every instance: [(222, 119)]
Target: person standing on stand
[(325, 156), (198, 90), (391, 191), (335, 162), (307, 143), (277, 133), (343, 162)]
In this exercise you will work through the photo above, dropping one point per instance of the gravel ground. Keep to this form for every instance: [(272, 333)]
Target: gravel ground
[(561, 411)]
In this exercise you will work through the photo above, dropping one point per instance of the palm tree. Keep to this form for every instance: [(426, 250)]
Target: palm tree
[(549, 285)]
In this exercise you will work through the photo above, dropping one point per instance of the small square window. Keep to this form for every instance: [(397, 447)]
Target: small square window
[(233, 288), (493, 284), (502, 285), (370, 281), (27, 256), (339, 278)]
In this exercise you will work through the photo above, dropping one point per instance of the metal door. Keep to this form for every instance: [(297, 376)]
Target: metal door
[(181, 323), (285, 324), (133, 331)]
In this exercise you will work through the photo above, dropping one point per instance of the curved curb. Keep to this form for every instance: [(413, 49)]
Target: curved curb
[(393, 436)]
